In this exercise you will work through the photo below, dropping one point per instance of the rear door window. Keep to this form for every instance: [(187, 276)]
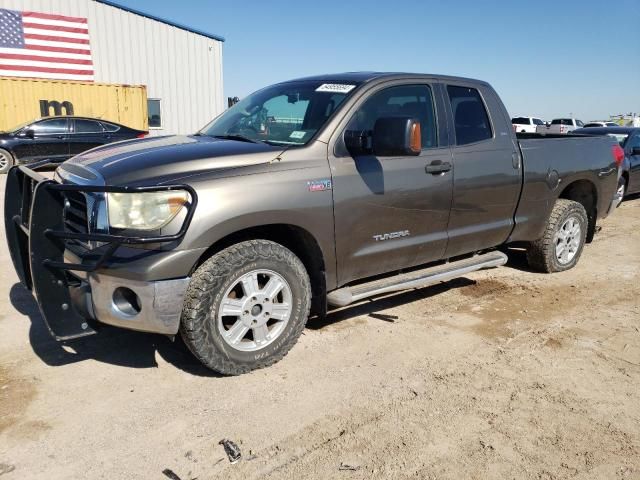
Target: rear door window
[(110, 127), (470, 115), (87, 126)]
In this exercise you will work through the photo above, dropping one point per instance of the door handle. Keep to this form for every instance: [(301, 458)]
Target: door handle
[(60, 137), (437, 166)]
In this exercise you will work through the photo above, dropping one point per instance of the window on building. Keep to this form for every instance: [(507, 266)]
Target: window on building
[(154, 112), (470, 116)]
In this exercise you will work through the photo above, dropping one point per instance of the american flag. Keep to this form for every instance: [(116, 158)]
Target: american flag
[(43, 45)]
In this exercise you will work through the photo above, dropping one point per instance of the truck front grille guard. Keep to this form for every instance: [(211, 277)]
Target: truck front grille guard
[(38, 238), (115, 241)]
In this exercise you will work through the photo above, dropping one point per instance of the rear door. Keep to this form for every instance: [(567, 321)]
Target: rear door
[(50, 141), (390, 213), (85, 135), (486, 170)]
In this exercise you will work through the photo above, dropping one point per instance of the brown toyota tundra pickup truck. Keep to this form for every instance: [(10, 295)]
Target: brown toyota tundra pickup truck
[(306, 194)]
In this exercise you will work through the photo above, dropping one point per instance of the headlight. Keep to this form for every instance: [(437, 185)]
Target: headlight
[(145, 211)]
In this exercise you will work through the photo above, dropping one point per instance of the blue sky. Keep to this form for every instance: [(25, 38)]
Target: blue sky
[(546, 58)]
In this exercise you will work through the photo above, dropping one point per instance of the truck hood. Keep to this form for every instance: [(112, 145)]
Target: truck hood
[(159, 159)]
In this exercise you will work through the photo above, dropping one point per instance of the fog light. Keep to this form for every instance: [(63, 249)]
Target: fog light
[(126, 301)]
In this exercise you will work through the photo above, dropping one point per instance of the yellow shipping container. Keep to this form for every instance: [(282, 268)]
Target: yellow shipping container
[(22, 100)]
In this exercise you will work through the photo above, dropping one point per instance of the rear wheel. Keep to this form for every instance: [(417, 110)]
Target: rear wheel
[(246, 307), (564, 237), (6, 161)]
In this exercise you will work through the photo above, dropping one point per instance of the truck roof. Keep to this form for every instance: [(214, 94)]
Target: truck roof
[(363, 77)]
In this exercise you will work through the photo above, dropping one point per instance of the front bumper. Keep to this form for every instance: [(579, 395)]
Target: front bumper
[(153, 306), (74, 285)]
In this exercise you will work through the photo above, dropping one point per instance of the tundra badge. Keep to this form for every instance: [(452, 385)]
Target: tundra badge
[(388, 236)]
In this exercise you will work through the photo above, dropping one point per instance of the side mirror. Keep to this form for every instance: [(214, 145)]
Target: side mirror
[(28, 133), (397, 136), (358, 142)]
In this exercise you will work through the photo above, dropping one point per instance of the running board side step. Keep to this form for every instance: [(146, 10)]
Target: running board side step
[(416, 279)]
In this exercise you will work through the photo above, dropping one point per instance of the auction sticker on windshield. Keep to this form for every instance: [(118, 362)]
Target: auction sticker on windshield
[(335, 87), (297, 134)]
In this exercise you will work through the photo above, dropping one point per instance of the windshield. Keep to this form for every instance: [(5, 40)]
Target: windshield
[(285, 114), (19, 127)]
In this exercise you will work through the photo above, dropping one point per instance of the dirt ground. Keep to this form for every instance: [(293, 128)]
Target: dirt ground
[(501, 374)]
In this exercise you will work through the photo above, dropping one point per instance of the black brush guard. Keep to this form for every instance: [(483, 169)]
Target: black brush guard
[(37, 240)]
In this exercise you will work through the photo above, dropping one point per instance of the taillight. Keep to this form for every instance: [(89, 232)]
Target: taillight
[(618, 154), (142, 135)]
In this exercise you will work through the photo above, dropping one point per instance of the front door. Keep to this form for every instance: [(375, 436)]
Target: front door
[(50, 141), (390, 213)]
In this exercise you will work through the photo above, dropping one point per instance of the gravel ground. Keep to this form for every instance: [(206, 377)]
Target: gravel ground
[(501, 374)]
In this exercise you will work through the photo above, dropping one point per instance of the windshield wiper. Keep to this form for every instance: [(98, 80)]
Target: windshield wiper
[(278, 143), (240, 138)]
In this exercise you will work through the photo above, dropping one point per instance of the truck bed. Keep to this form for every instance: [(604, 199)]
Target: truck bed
[(551, 162)]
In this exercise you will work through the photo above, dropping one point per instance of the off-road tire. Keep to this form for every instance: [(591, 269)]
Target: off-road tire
[(10, 161), (541, 254), (198, 325)]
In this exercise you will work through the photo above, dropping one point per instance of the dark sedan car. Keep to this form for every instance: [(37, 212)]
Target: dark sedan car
[(58, 138), (629, 140)]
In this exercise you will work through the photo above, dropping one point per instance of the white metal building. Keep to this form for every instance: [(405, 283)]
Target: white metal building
[(180, 66)]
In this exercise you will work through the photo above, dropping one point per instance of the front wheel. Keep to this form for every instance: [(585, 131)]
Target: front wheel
[(6, 161), (563, 239), (245, 307)]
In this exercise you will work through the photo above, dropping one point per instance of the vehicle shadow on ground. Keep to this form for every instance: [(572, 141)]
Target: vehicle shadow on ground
[(131, 349), (111, 345), (517, 259), (374, 305)]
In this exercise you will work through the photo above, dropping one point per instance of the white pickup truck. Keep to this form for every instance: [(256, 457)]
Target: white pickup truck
[(560, 125), (526, 124)]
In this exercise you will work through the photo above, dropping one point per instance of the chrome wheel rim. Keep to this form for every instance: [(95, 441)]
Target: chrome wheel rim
[(620, 194), (255, 310), (4, 161), (567, 240)]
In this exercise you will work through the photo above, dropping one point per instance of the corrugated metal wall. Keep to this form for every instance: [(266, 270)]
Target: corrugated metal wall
[(181, 68), (20, 101)]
